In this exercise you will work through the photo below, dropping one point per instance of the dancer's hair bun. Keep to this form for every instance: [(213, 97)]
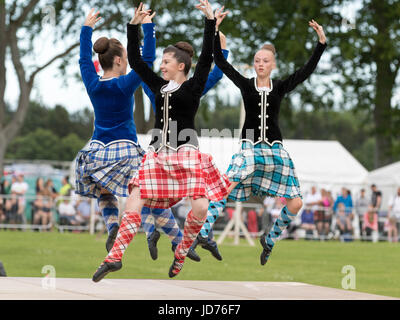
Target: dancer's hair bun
[(101, 45), (269, 47), (184, 46)]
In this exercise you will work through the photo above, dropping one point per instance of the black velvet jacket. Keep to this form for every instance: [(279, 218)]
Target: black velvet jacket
[(175, 110), (262, 107)]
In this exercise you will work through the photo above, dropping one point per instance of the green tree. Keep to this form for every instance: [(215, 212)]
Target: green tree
[(21, 23), (40, 144), (69, 147)]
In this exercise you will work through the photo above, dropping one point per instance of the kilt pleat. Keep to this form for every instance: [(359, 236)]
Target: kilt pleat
[(263, 170), (166, 177), (110, 168)]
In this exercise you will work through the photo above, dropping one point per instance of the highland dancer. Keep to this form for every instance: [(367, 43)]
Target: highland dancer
[(263, 167), (104, 170), (173, 168), (166, 220)]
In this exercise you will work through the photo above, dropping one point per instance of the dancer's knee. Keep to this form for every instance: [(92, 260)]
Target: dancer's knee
[(294, 205)]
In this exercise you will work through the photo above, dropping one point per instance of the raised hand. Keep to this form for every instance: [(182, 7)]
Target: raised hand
[(148, 18), (220, 16), (139, 15), (92, 19), (319, 30), (206, 8)]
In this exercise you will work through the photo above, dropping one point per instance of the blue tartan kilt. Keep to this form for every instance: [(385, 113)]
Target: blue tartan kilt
[(263, 170), (110, 167)]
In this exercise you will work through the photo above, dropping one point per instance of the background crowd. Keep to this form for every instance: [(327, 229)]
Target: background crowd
[(47, 205), (323, 217)]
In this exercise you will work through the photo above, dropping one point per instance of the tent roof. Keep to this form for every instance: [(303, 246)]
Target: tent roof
[(386, 176)]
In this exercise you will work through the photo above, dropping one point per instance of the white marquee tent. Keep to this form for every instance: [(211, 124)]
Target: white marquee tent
[(387, 180)]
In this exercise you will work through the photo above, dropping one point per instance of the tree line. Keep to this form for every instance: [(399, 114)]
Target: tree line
[(359, 72), (55, 134)]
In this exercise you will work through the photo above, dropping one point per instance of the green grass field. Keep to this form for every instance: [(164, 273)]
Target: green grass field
[(319, 263)]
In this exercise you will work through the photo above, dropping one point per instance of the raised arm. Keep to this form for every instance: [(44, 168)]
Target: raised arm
[(132, 81), (88, 71), (149, 47), (225, 66), (216, 74), (304, 72), (149, 53), (203, 65), (136, 62)]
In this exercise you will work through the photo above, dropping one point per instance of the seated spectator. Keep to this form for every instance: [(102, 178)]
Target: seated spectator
[(39, 185), (67, 212), (20, 187), (42, 209), (393, 217), (11, 209), (49, 186), (66, 186), (2, 210), (344, 222), (370, 222), (307, 223), (83, 210)]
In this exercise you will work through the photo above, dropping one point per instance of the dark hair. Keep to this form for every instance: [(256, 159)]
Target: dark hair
[(183, 53), (107, 50)]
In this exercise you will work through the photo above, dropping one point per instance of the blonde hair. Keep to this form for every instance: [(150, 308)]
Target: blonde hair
[(269, 47)]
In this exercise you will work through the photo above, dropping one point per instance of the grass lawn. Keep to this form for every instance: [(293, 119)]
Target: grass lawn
[(319, 263)]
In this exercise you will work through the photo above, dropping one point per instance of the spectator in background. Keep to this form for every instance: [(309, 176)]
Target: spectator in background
[(312, 203), (370, 222), (347, 201), (39, 185), (65, 186), (307, 223), (361, 207), (19, 188), (343, 222), (11, 209), (261, 219), (394, 217), (376, 198), (83, 210), (50, 190), (43, 208), (252, 224), (67, 211), (326, 203), (5, 187)]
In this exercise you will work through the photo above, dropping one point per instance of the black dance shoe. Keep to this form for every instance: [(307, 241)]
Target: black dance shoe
[(105, 268), (266, 250), (176, 265), (152, 243), (209, 245), (192, 254)]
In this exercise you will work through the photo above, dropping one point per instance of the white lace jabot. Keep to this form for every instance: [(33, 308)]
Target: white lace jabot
[(172, 85)]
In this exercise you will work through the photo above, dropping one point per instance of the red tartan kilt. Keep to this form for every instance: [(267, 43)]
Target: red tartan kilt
[(164, 178)]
